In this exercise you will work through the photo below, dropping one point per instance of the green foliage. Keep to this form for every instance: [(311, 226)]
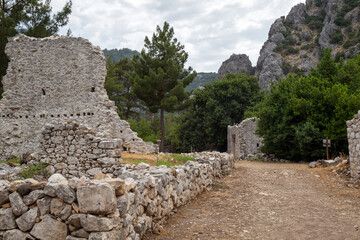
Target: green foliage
[(181, 158), (316, 22), (337, 37), (347, 7), (15, 160), (287, 68), (160, 77), (117, 54), (219, 104), (34, 170), (118, 85), (300, 111), (31, 18), (166, 163), (145, 129), (201, 79)]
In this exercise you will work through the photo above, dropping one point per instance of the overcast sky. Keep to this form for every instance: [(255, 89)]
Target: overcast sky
[(211, 30)]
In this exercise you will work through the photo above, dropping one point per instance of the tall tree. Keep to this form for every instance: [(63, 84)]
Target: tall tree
[(118, 85), (31, 17), (160, 76)]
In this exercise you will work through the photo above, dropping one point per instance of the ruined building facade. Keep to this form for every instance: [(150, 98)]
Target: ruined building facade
[(353, 133), (242, 140), (57, 80)]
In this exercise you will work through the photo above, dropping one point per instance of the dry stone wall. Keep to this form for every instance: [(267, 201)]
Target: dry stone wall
[(140, 200), (242, 140), (56, 80), (353, 133)]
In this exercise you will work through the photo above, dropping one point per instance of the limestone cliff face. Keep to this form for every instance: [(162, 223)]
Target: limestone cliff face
[(295, 42), (237, 63)]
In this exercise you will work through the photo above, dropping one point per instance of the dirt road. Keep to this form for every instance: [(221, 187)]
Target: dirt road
[(270, 201)]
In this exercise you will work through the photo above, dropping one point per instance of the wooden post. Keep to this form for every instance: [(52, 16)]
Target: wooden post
[(327, 148)]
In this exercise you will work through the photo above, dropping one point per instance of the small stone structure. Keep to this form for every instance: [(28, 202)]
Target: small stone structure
[(242, 140), (353, 134), (56, 80), (140, 200)]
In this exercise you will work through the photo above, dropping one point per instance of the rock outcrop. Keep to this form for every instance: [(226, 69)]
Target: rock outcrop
[(237, 63), (295, 42)]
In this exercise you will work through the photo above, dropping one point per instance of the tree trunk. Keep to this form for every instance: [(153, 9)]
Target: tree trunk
[(162, 124)]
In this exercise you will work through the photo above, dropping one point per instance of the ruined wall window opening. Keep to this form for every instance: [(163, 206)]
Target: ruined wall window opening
[(92, 89), (258, 145), (43, 92)]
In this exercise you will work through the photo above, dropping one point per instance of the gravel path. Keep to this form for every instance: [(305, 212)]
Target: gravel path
[(270, 201)]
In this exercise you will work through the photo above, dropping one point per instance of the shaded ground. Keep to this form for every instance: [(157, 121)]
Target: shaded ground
[(270, 201)]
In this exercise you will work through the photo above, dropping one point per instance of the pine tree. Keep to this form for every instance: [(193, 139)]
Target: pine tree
[(160, 76)]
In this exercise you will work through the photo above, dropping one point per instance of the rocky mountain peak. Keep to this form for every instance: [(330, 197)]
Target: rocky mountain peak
[(237, 63)]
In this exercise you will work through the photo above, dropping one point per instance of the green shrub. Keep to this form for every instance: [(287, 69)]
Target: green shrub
[(316, 22), (15, 160), (33, 170), (337, 37), (291, 50)]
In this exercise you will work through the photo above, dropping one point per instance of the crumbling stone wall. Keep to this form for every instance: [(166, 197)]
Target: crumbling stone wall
[(242, 140), (56, 80), (107, 208), (75, 151), (353, 134)]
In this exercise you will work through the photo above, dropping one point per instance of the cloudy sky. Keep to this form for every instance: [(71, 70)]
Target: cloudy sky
[(211, 30)]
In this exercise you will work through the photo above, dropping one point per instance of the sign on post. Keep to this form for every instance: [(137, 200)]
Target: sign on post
[(327, 144)]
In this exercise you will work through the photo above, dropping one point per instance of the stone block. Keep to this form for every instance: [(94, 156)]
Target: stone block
[(49, 228), (7, 219)]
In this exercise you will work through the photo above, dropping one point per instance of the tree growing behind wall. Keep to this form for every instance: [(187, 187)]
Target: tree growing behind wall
[(219, 104), (31, 17), (159, 74), (301, 111)]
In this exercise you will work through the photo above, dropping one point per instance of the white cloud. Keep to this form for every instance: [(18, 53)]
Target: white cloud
[(211, 30)]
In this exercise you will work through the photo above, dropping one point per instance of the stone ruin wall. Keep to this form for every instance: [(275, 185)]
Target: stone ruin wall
[(139, 200), (57, 80), (353, 134), (242, 140)]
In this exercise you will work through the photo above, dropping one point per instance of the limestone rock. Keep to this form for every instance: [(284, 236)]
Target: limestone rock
[(296, 16), (65, 193), (92, 223), (112, 235), (33, 197), (237, 63), (81, 233), (17, 204), (16, 234), (49, 228), (60, 209), (7, 219), (99, 199), (26, 221), (44, 205)]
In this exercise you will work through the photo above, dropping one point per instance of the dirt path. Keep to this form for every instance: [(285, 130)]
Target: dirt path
[(270, 201)]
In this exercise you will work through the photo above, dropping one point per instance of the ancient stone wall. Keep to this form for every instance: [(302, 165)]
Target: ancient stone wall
[(56, 80), (353, 133), (242, 140), (108, 208)]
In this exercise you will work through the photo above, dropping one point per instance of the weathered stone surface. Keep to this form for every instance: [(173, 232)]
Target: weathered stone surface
[(119, 185), (92, 223), (74, 238), (7, 219), (17, 204), (79, 71), (237, 63), (99, 199), (112, 235), (49, 228), (81, 233), (242, 140), (44, 205), (16, 234), (65, 193), (75, 220), (296, 16), (33, 197), (60, 209), (26, 221), (4, 196)]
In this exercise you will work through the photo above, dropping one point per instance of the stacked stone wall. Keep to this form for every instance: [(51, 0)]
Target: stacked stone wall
[(56, 80), (107, 208), (242, 140), (353, 134)]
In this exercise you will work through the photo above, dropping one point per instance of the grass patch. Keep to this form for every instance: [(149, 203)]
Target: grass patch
[(15, 160), (33, 170), (166, 163), (133, 161), (181, 158)]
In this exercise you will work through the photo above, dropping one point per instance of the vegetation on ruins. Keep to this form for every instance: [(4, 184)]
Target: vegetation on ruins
[(302, 110), (219, 104), (32, 18), (159, 75)]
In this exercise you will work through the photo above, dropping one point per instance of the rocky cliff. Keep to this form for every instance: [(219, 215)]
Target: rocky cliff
[(237, 63), (295, 42)]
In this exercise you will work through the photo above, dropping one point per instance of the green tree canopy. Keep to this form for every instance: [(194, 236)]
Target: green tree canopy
[(31, 17), (300, 111), (159, 76), (219, 104)]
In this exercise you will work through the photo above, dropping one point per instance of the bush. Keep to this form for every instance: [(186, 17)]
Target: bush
[(316, 22), (291, 50), (34, 170), (337, 37)]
